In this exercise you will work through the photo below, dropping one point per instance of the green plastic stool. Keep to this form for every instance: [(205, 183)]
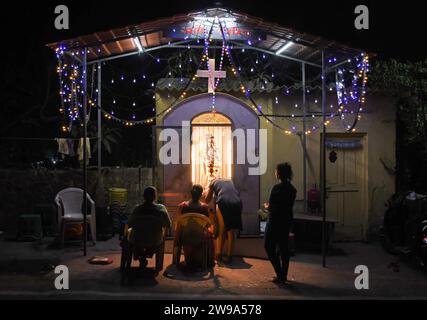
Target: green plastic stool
[(30, 227)]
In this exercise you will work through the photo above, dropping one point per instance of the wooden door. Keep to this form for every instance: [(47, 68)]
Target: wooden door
[(345, 179)]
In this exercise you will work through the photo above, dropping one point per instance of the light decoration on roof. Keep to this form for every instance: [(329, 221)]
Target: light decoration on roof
[(181, 96), (352, 97), (71, 89), (71, 80), (362, 74)]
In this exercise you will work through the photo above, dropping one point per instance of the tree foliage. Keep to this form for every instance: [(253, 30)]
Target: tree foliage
[(407, 83)]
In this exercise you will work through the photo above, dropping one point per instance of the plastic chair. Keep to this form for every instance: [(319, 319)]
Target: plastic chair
[(191, 229), (69, 204), (144, 241)]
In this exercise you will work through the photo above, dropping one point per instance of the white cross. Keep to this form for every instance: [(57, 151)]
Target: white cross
[(211, 74)]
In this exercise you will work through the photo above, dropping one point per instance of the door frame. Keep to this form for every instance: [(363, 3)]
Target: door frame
[(242, 117), (363, 136)]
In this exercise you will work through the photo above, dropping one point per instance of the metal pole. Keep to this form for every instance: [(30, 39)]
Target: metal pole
[(84, 152), (245, 46), (123, 55), (304, 106), (178, 45), (99, 131), (154, 157), (323, 163)]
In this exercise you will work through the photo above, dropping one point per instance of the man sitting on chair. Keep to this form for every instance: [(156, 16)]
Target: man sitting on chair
[(149, 207), (193, 252)]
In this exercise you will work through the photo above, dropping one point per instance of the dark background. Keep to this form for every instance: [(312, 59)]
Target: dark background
[(396, 31)]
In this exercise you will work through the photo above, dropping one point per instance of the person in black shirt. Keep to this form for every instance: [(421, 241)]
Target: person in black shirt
[(280, 207)]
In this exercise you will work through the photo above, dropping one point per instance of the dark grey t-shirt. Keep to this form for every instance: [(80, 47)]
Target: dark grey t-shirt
[(225, 191)]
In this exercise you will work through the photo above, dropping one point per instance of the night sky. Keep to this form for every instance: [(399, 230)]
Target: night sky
[(396, 31)]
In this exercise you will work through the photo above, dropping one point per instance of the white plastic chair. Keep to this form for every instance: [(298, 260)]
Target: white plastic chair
[(69, 203)]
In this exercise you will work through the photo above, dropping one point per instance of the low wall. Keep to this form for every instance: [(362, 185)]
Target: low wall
[(20, 190)]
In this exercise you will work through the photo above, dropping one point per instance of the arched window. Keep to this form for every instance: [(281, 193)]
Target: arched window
[(211, 118)]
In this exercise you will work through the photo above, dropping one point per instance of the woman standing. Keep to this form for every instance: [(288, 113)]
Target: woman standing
[(230, 205), (280, 207)]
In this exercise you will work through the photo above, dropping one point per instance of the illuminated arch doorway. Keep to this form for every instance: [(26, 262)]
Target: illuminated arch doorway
[(211, 148), (176, 178)]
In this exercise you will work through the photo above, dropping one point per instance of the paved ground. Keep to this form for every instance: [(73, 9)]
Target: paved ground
[(245, 278)]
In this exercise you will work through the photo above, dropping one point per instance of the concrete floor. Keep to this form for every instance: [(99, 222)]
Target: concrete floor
[(22, 277)]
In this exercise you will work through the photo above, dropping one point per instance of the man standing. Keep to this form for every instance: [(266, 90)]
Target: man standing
[(280, 207)]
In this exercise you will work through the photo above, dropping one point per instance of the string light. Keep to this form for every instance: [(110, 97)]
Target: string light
[(352, 99), (183, 94), (68, 92)]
